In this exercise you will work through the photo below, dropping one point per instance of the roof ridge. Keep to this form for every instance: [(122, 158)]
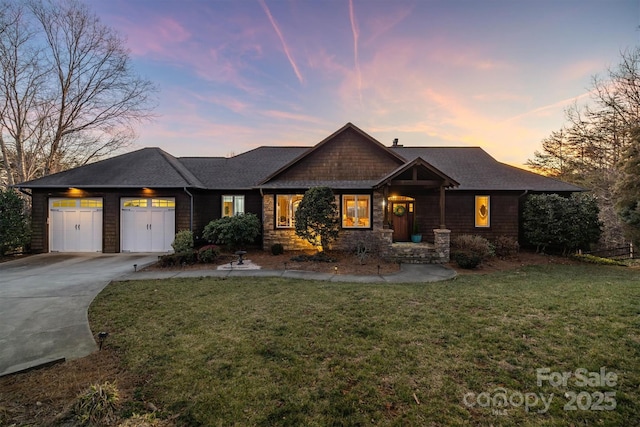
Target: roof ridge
[(181, 169)]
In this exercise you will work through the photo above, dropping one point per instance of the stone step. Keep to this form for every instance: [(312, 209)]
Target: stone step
[(414, 253)]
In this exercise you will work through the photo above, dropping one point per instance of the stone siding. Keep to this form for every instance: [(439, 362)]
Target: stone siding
[(377, 236)]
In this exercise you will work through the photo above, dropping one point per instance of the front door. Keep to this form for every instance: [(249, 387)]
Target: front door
[(400, 222)]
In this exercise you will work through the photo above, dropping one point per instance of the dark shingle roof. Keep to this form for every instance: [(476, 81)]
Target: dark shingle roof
[(471, 167), (335, 184), (244, 170), (475, 169), (148, 167)]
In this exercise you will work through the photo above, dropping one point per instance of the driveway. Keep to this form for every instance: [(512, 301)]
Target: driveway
[(44, 301)]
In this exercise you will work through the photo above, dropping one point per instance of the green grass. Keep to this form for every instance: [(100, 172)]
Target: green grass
[(269, 351)]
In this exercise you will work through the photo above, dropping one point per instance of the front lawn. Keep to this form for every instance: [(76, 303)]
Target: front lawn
[(269, 351)]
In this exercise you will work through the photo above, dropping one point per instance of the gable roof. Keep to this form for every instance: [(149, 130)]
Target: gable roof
[(375, 144), (148, 167), (475, 169), (419, 163)]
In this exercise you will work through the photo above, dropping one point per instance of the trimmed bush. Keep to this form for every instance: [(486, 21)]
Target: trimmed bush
[(177, 259), (183, 242), (208, 254), (470, 250), (474, 244), (277, 249), (561, 223), (505, 246), (466, 260), (233, 231)]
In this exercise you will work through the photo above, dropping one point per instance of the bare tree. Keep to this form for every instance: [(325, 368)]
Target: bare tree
[(588, 151), (69, 95)]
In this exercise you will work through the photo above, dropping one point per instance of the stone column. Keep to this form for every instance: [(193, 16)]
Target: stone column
[(386, 239), (442, 243)]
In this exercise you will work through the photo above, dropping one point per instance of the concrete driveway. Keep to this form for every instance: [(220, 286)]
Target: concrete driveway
[(44, 301)]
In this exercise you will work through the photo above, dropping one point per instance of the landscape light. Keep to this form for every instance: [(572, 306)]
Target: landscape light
[(101, 337)]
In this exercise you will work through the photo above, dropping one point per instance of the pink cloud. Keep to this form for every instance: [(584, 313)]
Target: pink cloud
[(580, 70), (285, 115), (159, 36)]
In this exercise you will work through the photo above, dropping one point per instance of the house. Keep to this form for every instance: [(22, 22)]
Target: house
[(137, 201)]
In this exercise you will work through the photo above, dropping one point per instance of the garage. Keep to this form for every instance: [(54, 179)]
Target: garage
[(147, 224), (75, 224)]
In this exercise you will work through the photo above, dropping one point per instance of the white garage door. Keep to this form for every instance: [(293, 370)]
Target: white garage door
[(75, 225), (148, 225)]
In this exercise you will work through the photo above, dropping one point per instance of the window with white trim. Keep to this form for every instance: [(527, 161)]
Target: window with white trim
[(286, 206), (483, 212), (356, 211), (232, 205)]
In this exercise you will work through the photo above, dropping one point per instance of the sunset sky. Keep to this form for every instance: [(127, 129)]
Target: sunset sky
[(235, 75)]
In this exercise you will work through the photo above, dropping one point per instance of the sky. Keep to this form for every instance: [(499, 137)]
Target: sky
[(236, 75)]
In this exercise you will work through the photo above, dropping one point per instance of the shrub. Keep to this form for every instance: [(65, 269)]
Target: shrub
[(277, 249), (177, 259), (474, 244), (505, 246), (561, 223), (97, 405), (233, 231), (466, 260), (364, 247), (14, 226), (591, 259), (208, 253), (183, 242)]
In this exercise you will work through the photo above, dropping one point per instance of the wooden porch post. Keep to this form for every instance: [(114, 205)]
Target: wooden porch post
[(385, 195), (442, 206)]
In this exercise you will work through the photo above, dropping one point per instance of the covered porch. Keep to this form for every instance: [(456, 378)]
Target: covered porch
[(411, 218)]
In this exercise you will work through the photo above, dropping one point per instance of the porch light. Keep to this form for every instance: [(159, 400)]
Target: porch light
[(73, 191)]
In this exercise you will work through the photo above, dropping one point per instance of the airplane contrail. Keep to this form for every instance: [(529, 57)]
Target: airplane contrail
[(356, 34), (282, 40)]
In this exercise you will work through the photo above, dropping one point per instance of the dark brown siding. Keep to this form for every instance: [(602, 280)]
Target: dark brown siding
[(503, 214), (460, 213), (349, 156), (208, 206), (39, 214)]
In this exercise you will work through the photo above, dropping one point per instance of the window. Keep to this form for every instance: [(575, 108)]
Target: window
[(232, 205), (65, 203), (356, 211), (90, 203), (482, 211), (286, 206), (163, 203), (135, 203)]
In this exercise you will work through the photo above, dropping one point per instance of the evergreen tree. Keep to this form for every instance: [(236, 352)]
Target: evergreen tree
[(317, 218)]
